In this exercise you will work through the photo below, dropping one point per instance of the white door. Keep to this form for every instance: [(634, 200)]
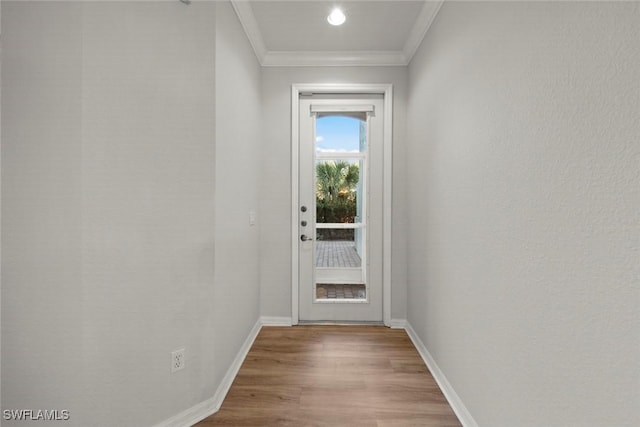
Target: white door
[(340, 208)]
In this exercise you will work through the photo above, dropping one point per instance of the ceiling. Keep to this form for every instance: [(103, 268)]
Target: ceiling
[(296, 32)]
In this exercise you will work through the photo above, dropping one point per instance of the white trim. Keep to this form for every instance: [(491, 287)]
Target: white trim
[(339, 225), (328, 108), (450, 394), (334, 59), (419, 31), (192, 415), (398, 324), (251, 29), (387, 91), (295, 188), (226, 382), (387, 201), (210, 406), (275, 321), (356, 88), (330, 155), (269, 58)]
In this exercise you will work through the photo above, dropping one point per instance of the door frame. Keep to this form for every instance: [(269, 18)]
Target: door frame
[(357, 89)]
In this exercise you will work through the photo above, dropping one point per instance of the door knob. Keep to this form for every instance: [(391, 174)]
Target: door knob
[(303, 208), (304, 238)]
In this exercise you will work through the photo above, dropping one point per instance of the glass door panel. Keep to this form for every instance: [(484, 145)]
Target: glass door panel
[(340, 185), (339, 213)]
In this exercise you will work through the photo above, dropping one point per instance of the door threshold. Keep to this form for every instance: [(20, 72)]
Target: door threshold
[(339, 323)]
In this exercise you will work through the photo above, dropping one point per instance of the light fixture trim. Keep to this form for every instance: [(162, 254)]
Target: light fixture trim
[(336, 17)]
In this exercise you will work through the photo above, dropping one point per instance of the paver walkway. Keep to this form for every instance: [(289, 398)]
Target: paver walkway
[(336, 291), (337, 253)]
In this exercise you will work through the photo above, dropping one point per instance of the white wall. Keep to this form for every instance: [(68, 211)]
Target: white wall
[(275, 236), (523, 174), (118, 245), (0, 212), (239, 147), (148, 207), (41, 206)]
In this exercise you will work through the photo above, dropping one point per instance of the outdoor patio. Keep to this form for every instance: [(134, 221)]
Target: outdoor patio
[(337, 253), (331, 291)]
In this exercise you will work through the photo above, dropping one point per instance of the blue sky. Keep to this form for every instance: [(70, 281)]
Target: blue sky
[(337, 134)]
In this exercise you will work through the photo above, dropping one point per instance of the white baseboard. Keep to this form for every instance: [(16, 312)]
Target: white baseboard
[(398, 324), (449, 393), (275, 321), (225, 385), (192, 415), (211, 406)]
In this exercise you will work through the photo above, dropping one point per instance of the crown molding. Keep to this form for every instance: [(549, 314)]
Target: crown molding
[(426, 17), (250, 26), (335, 58)]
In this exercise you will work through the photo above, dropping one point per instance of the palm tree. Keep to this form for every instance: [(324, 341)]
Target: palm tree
[(336, 179), (336, 185)]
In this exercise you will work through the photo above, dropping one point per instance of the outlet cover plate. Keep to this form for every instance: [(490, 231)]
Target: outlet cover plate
[(177, 360)]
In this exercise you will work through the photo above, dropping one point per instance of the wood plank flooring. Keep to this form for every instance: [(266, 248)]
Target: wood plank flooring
[(333, 376)]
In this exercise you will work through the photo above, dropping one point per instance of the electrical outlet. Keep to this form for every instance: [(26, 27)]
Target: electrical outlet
[(177, 360)]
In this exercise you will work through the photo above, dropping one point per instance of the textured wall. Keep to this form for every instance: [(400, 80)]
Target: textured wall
[(41, 206), (113, 200), (523, 174), (239, 148), (148, 176)]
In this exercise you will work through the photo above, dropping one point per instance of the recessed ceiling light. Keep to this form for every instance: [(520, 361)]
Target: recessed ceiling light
[(336, 17)]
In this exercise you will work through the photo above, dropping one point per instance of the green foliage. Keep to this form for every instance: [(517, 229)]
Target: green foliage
[(336, 191), (335, 180), (341, 211)]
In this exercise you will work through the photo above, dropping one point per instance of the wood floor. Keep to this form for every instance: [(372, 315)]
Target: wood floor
[(333, 376)]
